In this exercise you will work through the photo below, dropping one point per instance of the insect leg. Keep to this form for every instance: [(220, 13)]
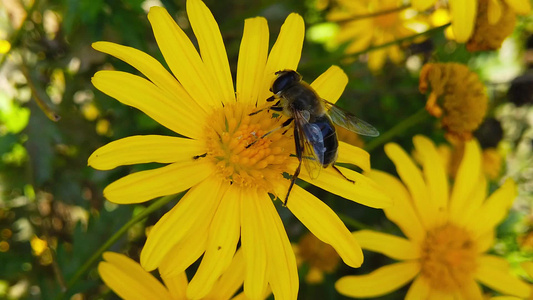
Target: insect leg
[(285, 124), (275, 107), (299, 156), (337, 169)]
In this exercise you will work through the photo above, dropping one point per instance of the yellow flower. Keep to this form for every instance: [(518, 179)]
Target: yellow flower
[(457, 95), (489, 36), (463, 13), (320, 257), (229, 184), (371, 31), (448, 230), (130, 281)]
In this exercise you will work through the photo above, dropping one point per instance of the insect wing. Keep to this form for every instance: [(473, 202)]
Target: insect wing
[(349, 121), (311, 144)]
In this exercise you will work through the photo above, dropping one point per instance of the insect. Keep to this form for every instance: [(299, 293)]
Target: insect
[(315, 137)]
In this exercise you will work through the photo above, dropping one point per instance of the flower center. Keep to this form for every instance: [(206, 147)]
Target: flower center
[(448, 257), (240, 153)]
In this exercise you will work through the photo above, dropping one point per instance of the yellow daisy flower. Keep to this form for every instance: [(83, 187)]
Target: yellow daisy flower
[(463, 13), (372, 31), (448, 230), (130, 281), (229, 184)]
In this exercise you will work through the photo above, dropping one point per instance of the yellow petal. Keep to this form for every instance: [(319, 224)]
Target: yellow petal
[(177, 285), (528, 267), (185, 252), (252, 60), (471, 207), (128, 279), (155, 72), (435, 177), (353, 155), (198, 205), (224, 233), (253, 244), (412, 178), (419, 289), (463, 18), (494, 11), (146, 185), (285, 53), (495, 209), (282, 272), (363, 190), (377, 58), (142, 94), (380, 282), (389, 245), (499, 279), (325, 225), (485, 241), (212, 49), (402, 212), (231, 281), (144, 149), (330, 84), (521, 7), (471, 290), (466, 180), (421, 5), (182, 57)]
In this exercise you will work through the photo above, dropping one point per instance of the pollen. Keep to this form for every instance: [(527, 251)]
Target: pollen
[(242, 151), (448, 257), (457, 95), (489, 36)]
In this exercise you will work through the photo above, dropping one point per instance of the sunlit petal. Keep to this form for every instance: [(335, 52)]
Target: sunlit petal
[(177, 285), (412, 178), (501, 280), (330, 84), (146, 185), (155, 72), (212, 49), (144, 149), (363, 190), (282, 271), (435, 177), (252, 59), (380, 282), (253, 245), (142, 94), (198, 205), (392, 246), (285, 53), (419, 289), (325, 225), (128, 279), (182, 57), (463, 18), (231, 280), (224, 234), (401, 212)]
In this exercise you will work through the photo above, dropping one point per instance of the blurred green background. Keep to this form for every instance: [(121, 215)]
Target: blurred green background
[(53, 216)]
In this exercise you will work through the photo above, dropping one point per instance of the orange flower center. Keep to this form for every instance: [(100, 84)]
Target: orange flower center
[(386, 21), (448, 257), (239, 151)]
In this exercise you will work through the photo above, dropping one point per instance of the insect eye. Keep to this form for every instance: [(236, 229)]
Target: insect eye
[(284, 80)]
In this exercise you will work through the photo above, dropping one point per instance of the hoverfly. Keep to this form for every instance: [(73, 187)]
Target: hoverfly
[(315, 137)]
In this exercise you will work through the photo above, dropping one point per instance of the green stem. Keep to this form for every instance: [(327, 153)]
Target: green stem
[(414, 119), (351, 222), (398, 41), (374, 14), (153, 207)]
